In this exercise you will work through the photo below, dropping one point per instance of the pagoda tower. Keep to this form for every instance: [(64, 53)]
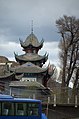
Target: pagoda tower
[(31, 63), (31, 46)]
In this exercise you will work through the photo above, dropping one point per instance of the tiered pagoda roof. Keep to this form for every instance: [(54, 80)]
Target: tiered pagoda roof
[(31, 47), (31, 62), (28, 84), (32, 40), (28, 68), (31, 57)]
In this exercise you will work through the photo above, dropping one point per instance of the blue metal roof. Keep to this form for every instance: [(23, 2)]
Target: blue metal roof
[(10, 98), (25, 100), (2, 96)]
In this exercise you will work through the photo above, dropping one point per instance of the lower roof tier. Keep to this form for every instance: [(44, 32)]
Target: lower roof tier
[(28, 84), (29, 68)]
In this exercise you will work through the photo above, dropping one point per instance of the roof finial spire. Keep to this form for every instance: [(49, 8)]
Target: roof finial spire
[(32, 27)]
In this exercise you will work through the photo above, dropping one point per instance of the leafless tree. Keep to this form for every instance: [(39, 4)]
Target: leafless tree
[(68, 27)]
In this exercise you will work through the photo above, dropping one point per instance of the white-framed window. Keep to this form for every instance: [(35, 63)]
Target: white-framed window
[(28, 79)]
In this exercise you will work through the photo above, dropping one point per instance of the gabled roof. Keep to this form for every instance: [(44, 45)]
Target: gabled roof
[(29, 68), (31, 40), (31, 57)]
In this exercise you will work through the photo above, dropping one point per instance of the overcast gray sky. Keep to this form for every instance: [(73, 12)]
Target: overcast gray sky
[(15, 23)]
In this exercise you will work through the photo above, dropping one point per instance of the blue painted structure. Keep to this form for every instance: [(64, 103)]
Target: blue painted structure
[(20, 108)]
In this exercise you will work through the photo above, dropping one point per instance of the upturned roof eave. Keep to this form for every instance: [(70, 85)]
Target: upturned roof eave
[(7, 75), (29, 68), (24, 45), (20, 57), (29, 71), (26, 84)]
